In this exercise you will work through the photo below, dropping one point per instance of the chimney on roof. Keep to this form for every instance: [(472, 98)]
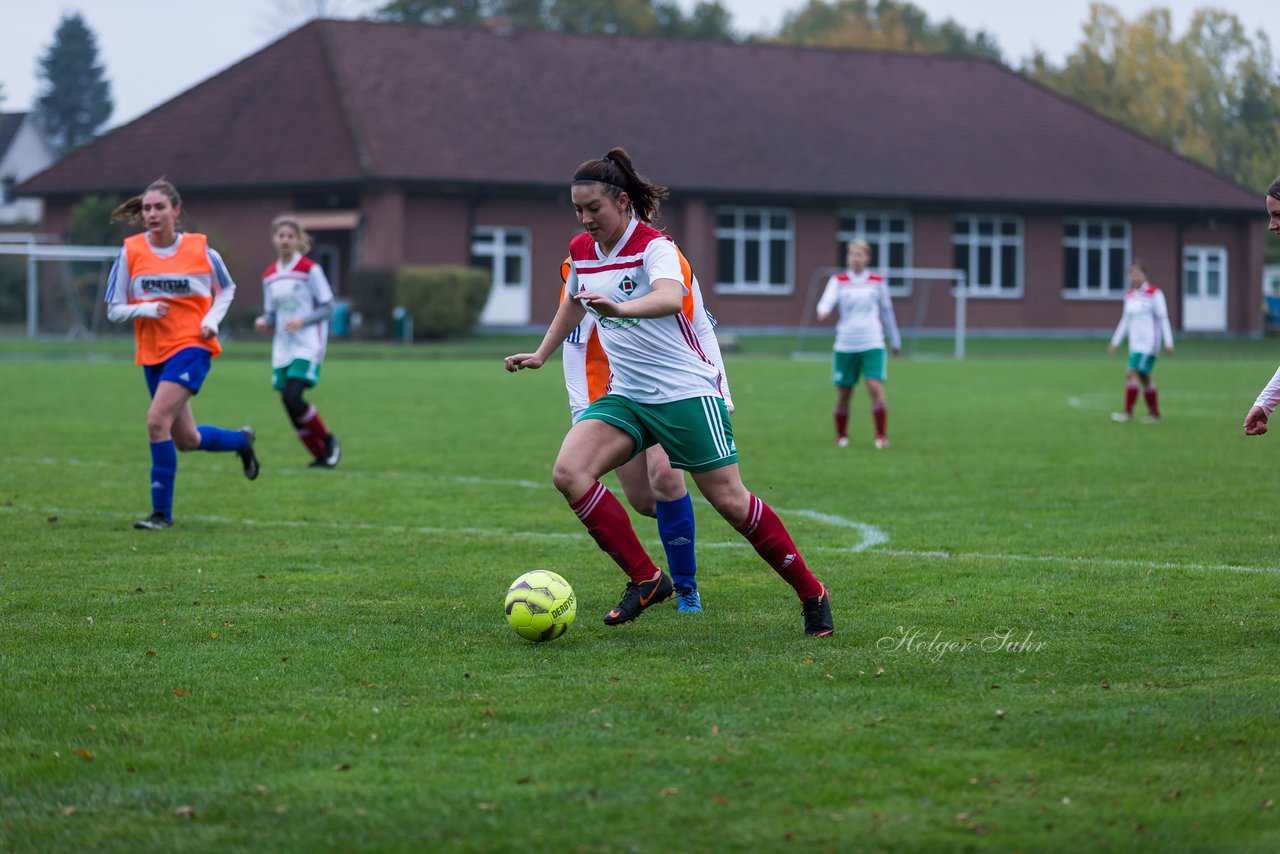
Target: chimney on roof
[(498, 25)]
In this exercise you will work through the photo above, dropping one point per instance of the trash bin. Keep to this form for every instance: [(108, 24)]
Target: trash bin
[(340, 322), (402, 325)]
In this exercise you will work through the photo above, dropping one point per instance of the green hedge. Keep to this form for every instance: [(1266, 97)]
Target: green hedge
[(443, 300), (373, 295)]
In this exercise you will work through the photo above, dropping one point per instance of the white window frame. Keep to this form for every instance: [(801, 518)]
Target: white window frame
[(997, 241), (766, 234), (1082, 243), (880, 242), (498, 252)]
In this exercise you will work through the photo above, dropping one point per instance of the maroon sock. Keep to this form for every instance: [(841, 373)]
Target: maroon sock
[(766, 533), (312, 432), (1130, 397), (1153, 400), (842, 423), (880, 415), (608, 523)]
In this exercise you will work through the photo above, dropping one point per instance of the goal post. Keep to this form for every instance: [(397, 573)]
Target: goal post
[(922, 280), (77, 272)]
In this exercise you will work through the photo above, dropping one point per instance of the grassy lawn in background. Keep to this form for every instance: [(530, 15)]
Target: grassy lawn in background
[(1053, 632)]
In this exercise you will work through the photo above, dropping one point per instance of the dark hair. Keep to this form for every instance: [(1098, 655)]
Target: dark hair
[(616, 172), (1274, 190), (131, 209), (1138, 262)]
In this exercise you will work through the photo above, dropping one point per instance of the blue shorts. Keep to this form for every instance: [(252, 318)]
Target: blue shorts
[(187, 367)]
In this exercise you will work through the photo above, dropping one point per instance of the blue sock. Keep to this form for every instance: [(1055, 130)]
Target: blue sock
[(675, 526), (164, 470), (217, 439)]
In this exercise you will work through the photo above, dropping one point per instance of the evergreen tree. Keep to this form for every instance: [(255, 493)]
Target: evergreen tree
[(76, 97)]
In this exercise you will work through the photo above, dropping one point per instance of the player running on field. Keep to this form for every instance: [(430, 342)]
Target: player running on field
[(1146, 321), (1255, 422), (176, 290), (297, 303), (866, 313), (651, 485), (664, 390)]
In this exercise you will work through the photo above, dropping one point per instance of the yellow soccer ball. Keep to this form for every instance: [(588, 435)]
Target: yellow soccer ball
[(540, 605)]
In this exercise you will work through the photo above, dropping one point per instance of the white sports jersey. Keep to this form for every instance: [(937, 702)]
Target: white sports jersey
[(295, 290), (575, 359), (1270, 395), (1145, 320), (652, 360), (866, 311), (586, 365)]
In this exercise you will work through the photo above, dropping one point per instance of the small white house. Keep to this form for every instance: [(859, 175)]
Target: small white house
[(24, 151)]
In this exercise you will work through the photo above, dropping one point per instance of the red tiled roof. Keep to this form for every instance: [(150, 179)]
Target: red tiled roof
[(355, 101)]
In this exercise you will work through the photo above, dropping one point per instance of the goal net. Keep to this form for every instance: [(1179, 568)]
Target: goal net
[(928, 303), (50, 289)]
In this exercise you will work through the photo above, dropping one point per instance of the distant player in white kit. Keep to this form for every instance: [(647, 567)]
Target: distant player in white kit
[(1146, 321), (1255, 422), (866, 314), (298, 302)]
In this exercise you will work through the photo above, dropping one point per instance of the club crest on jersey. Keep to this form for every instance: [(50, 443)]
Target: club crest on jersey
[(627, 286)]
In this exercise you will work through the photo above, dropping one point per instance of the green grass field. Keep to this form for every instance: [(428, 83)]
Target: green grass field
[(1053, 633)]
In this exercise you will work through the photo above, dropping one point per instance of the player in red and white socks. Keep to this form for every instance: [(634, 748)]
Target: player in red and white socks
[(1146, 322), (866, 314), (663, 390), (298, 303), (1255, 422)]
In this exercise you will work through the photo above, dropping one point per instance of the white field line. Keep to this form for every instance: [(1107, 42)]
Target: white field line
[(870, 537)]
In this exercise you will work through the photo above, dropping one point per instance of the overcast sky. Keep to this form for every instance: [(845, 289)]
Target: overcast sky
[(147, 63)]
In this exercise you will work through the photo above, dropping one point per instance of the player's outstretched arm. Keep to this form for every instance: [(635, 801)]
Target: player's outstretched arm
[(1255, 423), (568, 315)]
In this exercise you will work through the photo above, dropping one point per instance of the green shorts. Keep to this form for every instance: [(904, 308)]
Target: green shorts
[(846, 367), (1143, 363), (695, 433), (298, 369)]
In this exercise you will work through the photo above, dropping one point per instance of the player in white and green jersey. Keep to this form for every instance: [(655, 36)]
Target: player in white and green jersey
[(1146, 323), (866, 315), (664, 389), (297, 303)]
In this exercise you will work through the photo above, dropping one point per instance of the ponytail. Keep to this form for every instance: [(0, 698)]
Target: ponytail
[(617, 173), (131, 209)]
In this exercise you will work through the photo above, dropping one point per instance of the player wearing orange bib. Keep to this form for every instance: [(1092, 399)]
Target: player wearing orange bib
[(664, 389), (650, 483), (176, 290)]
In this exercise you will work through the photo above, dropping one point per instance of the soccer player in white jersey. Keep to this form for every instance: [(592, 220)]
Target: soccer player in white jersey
[(1255, 422), (651, 485), (866, 314), (663, 389), (1146, 321), (176, 290), (297, 303)]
